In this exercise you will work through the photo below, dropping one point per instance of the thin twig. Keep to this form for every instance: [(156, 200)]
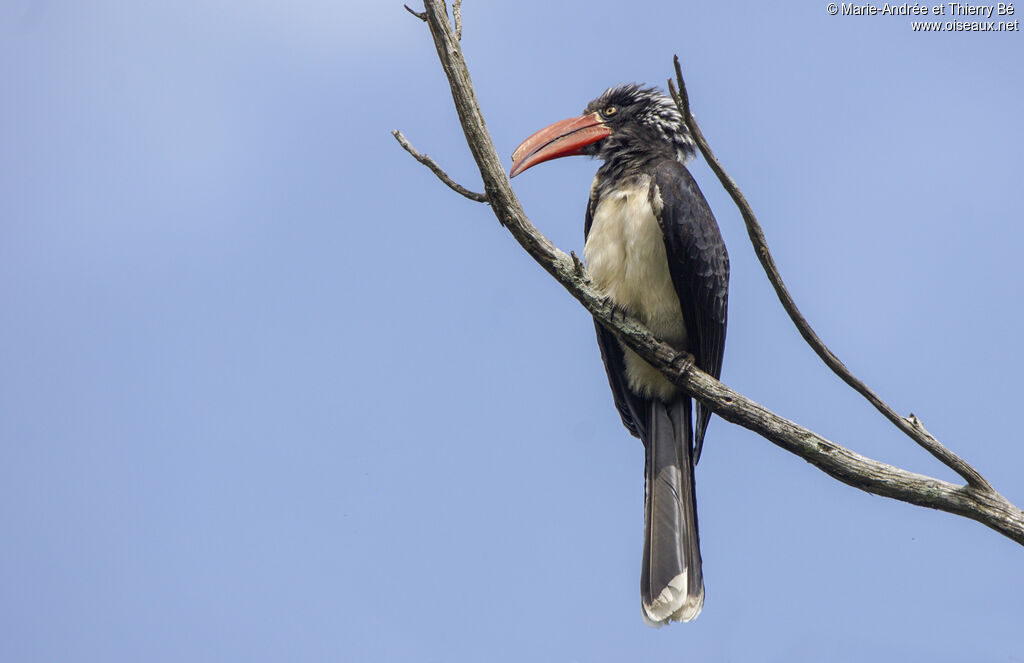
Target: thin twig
[(420, 15), (987, 507), (457, 16), (432, 165), (909, 427)]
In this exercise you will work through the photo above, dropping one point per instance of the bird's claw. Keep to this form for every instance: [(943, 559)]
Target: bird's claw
[(577, 265), (614, 308), (682, 362)]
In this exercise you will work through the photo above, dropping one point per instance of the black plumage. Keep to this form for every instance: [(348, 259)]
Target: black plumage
[(678, 285)]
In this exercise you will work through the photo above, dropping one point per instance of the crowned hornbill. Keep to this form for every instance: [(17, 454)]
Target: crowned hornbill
[(654, 249)]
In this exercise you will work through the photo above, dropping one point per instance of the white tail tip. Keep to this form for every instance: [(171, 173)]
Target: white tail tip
[(674, 604)]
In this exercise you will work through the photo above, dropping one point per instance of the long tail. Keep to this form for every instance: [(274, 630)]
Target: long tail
[(671, 582)]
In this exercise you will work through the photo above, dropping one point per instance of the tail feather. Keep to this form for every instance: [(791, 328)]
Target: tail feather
[(672, 585)]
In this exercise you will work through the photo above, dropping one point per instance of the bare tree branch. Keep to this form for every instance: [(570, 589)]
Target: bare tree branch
[(457, 17), (432, 165), (980, 503), (420, 15), (911, 425)]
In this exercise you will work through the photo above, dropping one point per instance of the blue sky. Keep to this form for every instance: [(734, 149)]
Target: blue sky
[(268, 391)]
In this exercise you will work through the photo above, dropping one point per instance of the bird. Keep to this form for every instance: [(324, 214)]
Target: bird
[(653, 249)]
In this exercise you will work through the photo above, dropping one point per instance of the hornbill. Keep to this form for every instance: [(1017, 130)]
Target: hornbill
[(653, 248)]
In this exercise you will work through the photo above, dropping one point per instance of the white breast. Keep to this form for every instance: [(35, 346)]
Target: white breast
[(625, 256)]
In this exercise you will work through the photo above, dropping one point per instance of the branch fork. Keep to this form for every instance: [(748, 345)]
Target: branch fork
[(977, 500)]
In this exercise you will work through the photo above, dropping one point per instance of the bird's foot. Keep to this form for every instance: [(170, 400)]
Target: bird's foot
[(577, 266), (614, 308), (682, 362)]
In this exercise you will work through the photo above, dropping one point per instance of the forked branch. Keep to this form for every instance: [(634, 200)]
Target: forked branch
[(977, 500)]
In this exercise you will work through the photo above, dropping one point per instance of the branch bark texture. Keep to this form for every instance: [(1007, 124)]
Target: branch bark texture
[(910, 425), (977, 500)]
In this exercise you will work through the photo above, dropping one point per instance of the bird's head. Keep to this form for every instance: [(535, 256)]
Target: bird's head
[(628, 122)]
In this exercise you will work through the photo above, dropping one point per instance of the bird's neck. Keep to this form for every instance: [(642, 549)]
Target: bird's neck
[(635, 158)]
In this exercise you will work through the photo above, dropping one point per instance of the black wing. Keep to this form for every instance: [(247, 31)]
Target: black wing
[(632, 408), (699, 265)]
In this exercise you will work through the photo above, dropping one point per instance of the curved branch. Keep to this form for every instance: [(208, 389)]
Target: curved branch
[(434, 168), (420, 15), (910, 425), (983, 505)]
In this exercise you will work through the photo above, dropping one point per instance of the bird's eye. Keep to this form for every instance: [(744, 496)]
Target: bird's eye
[(609, 111)]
